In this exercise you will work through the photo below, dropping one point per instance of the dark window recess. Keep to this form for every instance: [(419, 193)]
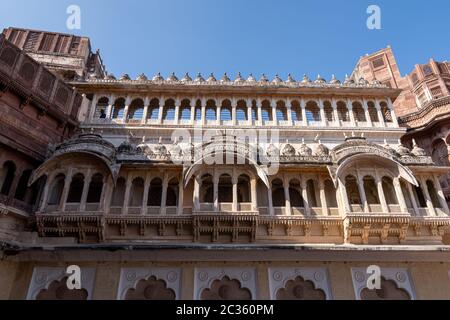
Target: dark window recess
[(46, 43), (427, 70), (378, 63), (46, 82), (75, 45), (8, 56), (27, 71), (61, 44), (62, 95)]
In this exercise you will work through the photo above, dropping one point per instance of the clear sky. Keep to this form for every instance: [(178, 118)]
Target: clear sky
[(262, 36)]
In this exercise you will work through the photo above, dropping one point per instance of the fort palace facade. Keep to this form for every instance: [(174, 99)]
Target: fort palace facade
[(219, 188)]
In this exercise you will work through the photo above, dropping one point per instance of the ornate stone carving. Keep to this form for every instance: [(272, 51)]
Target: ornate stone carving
[(288, 150)]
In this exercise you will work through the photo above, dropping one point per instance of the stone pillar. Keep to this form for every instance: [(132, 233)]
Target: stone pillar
[(303, 106), (203, 103), (87, 182), (413, 199), (145, 113), (65, 193), (367, 114), (216, 192), (126, 110), (235, 193), (164, 194), (431, 210), (249, 112), (344, 197), (44, 199), (273, 104), (126, 199), (107, 192), (350, 113), (259, 108), (145, 197), (335, 113), (233, 112), (362, 194), (322, 113), (193, 104), (391, 108), (440, 194), (269, 198), (399, 193), (196, 200), (379, 113), (110, 107), (93, 107), (219, 114), (305, 197), (384, 205), (177, 111), (287, 197), (162, 102), (289, 111), (323, 198), (254, 193), (180, 196), (103, 194)]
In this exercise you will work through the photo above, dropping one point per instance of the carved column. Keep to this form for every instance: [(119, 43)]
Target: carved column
[(344, 197), (269, 199), (273, 105), (193, 104), (392, 110), (287, 196), (110, 107), (162, 102), (145, 197), (197, 182), (235, 193), (219, 114), (305, 197), (87, 182), (126, 199), (441, 195), (177, 111), (44, 199), (379, 113), (249, 112), (104, 195), (180, 197), (164, 194), (350, 113), (362, 193), (289, 111), (303, 106), (367, 114), (335, 113), (322, 113), (93, 107), (259, 107), (323, 198), (67, 182), (203, 103), (253, 186), (216, 191), (233, 112), (399, 193), (431, 210), (126, 110), (384, 205)]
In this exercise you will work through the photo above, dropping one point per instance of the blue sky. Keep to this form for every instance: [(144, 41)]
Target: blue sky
[(262, 36)]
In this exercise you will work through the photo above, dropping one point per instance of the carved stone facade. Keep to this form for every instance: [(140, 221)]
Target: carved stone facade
[(217, 189)]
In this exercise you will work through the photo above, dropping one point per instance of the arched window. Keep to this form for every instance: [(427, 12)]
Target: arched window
[(169, 110), (22, 187), (351, 186), (278, 198), (406, 195), (254, 111), (342, 111), (295, 194), (312, 111), (198, 111), (389, 191), (330, 194), (371, 191), (418, 193), (211, 110), (243, 189), (206, 191), (95, 189), (136, 192), (311, 187), (136, 109), (225, 188), (118, 108), (172, 193), (358, 112), (153, 109), (155, 193), (241, 111), (296, 111), (266, 111), (433, 194), (56, 189), (185, 110), (328, 109), (119, 193), (225, 114), (7, 176), (76, 189), (100, 109)]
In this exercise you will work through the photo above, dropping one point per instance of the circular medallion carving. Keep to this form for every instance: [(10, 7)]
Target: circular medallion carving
[(131, 276), (172, 276), (41, 278), (401, 277), (245, 276), (203, 276), (318, 276), (277, 276)]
